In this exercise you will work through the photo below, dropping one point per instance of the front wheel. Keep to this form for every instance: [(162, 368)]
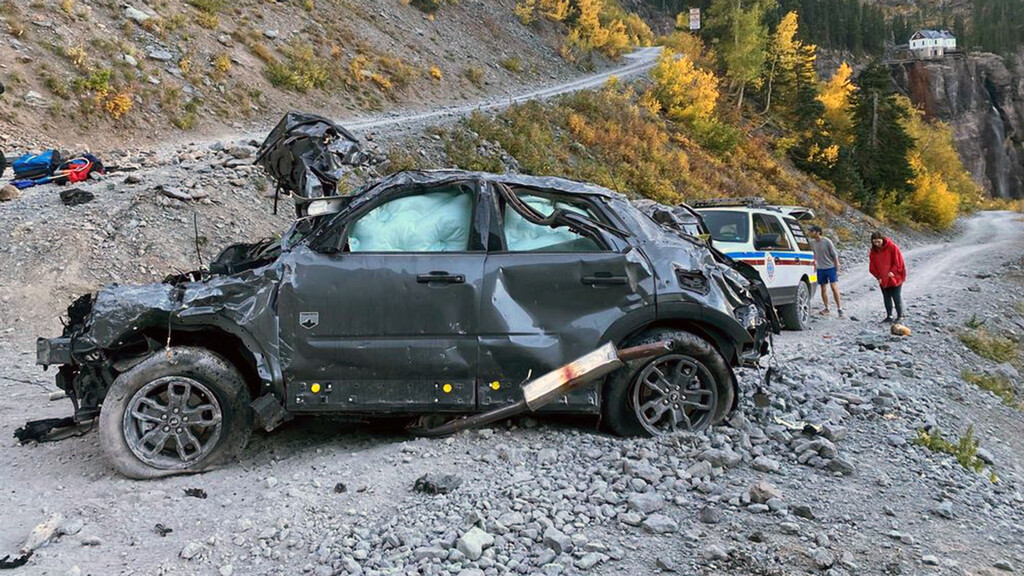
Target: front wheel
[(175, 412), (688, 388), (796, 316)]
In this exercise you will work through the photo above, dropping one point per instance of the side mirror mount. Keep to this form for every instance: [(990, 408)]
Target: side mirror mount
[(766, 241)]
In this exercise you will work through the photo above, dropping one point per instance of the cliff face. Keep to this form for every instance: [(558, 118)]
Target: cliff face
[(982, 97)]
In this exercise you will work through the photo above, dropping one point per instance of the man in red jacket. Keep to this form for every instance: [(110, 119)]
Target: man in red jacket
[(888, 268)]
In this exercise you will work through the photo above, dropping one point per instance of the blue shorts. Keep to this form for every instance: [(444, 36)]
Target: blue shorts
[(827, 276)]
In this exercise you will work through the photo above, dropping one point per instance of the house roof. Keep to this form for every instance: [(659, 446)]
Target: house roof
[(933, 35)]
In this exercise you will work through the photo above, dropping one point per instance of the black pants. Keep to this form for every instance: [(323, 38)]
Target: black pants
[(893, 296)]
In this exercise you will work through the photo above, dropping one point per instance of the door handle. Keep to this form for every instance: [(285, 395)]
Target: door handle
[(604, 279), (441, 277)]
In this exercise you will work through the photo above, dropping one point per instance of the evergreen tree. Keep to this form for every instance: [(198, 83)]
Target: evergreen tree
[(881, 141)]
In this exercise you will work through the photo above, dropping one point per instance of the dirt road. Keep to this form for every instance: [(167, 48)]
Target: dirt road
[(559, 498), (986, 238), (636, 63)]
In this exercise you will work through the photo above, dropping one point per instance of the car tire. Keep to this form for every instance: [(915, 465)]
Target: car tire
[(179, 411), (700, 373), (797, 316)]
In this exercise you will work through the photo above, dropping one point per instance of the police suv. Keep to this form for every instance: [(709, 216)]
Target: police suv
[(770, 239)]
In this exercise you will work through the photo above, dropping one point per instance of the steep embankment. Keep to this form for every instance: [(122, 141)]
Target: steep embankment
[(982, 97), (82, 73)]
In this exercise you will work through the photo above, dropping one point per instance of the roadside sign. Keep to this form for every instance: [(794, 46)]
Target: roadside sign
[(694, 18)]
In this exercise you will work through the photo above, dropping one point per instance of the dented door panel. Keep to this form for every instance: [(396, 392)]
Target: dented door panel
[(540, 308)]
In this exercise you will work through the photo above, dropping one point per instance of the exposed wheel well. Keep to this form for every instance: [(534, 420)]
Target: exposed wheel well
[(716, 338), (220, 342)]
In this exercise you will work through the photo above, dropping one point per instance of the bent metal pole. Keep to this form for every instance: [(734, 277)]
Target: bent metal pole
[(541, 391)]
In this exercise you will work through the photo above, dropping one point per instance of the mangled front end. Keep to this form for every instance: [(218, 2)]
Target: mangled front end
[(729, 289), (111, 331)]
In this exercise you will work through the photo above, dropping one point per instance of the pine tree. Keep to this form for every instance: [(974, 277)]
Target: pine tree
[(881, 141)]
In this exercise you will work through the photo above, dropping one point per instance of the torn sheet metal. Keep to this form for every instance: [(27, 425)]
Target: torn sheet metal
[(457, 327), (307, 155)]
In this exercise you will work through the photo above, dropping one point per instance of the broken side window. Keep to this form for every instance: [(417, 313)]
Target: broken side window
[(522, 235), (435, 221)]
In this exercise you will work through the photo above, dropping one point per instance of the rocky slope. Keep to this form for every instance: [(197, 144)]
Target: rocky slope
[(86, 74), (761, 495), (982, 97)]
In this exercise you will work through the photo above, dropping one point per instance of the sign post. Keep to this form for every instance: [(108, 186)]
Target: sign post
[(694, 18)]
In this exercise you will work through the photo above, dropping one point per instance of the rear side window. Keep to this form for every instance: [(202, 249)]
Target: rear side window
[(521, 235), (802, 243), (727, 225), (767, 224)]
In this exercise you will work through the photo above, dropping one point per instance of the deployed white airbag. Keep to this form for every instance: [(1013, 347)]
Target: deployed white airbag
[(432, 222)]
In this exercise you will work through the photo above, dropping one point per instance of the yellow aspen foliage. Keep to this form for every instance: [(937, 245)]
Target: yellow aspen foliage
[(556, 10), (638, 31), (526, 11), (118, 105), (685, 92), (932, 202), (784, 43), (942, 187), (683, 21), (835, 96), (594, 25)]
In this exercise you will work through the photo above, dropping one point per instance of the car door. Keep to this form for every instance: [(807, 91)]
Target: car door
[(803, 255), (389, 321), (549, 296), (778, 272)]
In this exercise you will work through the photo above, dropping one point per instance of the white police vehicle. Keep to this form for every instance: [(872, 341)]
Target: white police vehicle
[(771, 239)]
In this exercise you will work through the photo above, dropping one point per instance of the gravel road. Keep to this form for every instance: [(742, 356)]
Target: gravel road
[(325, 497)]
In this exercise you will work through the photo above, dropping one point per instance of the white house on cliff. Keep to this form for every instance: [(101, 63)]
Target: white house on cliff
[(927, 44)]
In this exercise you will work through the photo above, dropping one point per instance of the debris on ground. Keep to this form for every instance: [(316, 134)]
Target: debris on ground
[(162, 530), (6, 563), (899, 330), (436, 483), (76, 196), (196, 493), (43, 533)]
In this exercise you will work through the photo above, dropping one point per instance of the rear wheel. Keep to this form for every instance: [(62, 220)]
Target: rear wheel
[(688, 388), (175, 413), (796, 316)]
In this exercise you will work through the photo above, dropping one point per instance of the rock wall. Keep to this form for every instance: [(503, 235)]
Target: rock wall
[(982, 97)]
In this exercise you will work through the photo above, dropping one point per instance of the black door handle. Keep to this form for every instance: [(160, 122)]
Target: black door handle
[(441, 278), (604, 279)]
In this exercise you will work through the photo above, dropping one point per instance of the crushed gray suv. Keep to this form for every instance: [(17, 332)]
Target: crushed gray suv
[(423, 293)]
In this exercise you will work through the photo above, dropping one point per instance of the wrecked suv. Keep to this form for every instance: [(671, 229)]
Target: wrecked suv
[(423, 293)]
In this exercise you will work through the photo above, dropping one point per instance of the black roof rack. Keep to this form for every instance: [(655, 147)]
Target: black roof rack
[(746, 201)]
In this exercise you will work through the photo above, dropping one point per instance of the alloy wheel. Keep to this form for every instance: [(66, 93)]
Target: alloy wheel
[(674, 392), (172, 422)]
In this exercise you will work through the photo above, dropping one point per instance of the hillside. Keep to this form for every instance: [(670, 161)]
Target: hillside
[(100, 75)]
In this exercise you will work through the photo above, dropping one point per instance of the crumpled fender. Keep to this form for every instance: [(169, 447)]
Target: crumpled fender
[(232, 304)]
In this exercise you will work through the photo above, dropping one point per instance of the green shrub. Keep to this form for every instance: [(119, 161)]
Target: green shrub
[(965, 450), (431, 6), (995, 348), (998, 385), (475, 76), (512, 64)]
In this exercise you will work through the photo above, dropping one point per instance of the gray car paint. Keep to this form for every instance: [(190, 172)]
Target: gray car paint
[(400, 356)]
